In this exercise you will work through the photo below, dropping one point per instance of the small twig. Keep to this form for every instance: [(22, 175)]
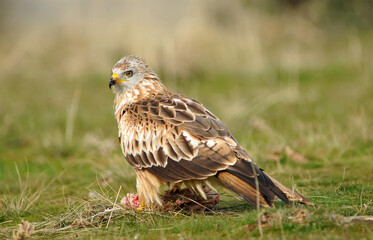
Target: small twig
[(257, 201), (111, 214), (104, 212), (6, 221), (71, 115), (319, 197), (198, 203)]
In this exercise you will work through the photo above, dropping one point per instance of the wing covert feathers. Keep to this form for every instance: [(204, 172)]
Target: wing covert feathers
[(172, 128)]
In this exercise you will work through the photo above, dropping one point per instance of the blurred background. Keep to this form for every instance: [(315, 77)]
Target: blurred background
[(182, 38), (279, 73)]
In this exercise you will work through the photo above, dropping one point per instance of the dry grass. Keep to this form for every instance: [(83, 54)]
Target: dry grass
[(25, 199)]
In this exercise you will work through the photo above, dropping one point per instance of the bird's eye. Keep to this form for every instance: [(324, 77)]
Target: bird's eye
[(128, 73)]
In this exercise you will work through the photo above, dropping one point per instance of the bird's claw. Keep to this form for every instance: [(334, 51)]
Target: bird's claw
[(142, 206)]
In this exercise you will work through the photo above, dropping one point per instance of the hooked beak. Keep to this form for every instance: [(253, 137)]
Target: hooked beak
[(115, 80)]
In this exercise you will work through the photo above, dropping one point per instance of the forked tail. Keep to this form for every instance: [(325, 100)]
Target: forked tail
[(241, 179)]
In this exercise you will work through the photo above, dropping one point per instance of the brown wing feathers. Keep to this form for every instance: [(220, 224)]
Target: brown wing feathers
[(188, 142), (201, 167)]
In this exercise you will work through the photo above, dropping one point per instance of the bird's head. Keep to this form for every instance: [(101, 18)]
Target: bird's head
[(127, 72)]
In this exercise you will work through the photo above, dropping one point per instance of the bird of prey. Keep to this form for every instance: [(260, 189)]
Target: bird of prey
[(170, 138)]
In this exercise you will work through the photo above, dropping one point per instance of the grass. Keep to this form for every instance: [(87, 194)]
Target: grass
[(61, 166), (291, 78)]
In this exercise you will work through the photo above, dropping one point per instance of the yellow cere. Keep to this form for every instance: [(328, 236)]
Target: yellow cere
[(115, 76)]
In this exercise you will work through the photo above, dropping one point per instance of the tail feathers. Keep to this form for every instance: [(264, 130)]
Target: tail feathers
[(275, 189), (242, 188), (241, 179), (292, 195)]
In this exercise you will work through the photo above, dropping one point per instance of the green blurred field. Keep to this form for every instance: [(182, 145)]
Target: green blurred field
[(278, 74)]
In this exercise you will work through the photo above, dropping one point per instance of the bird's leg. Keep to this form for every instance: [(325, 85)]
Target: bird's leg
[(143, 206)]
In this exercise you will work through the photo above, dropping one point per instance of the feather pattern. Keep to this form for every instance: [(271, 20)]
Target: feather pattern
[(170, 138)]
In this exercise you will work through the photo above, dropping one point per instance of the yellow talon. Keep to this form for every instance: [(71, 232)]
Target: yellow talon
[(142, 206)]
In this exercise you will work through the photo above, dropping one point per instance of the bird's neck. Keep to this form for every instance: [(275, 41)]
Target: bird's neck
[(146, 89)]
